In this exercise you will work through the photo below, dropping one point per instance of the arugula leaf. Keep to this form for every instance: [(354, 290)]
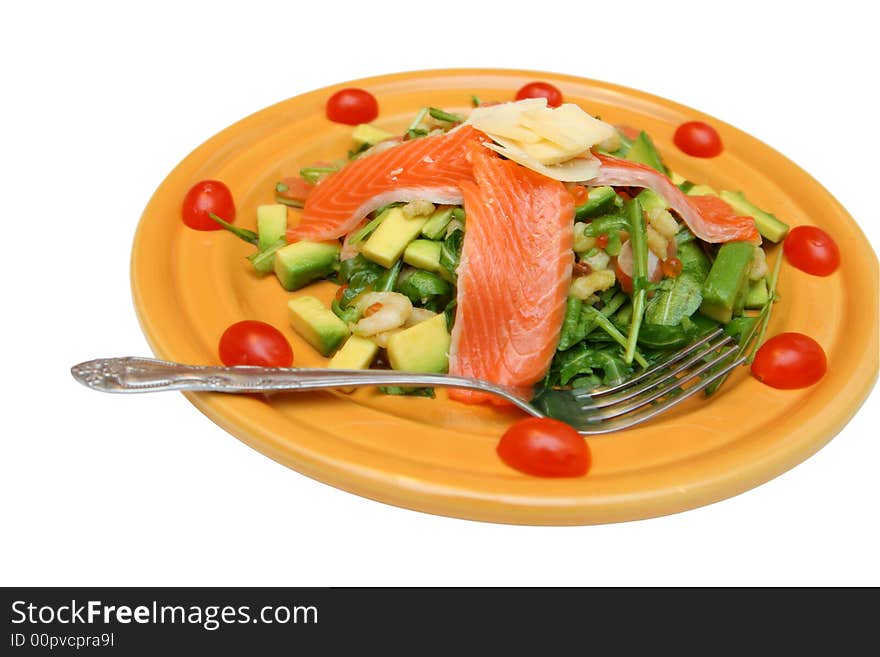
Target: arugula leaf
[(244, 234), (442, 115), (691, 329), (693, 260), (347, 315), (387, 281), (584, 360), (450, 252), (359, 274), (263, 261), (674, 299), (449, 311)]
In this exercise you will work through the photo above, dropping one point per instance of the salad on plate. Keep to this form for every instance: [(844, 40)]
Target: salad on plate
[(527, 242)]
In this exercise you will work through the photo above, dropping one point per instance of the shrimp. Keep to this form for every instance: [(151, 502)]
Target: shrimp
[(392, 312)]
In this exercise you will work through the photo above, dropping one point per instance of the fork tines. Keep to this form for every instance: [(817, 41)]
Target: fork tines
[(659, 387)]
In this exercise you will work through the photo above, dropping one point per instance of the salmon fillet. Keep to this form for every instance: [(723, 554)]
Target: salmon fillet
[(513, 276), (427, 169)]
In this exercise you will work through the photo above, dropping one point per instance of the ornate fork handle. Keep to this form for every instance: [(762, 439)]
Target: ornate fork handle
[(132, 374)]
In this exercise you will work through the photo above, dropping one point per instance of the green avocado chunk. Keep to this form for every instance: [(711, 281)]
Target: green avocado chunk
[(644, 152), (768, 225), (726, 287), (421, 348), (300, 263), (651, 200), (435, 227), (366, 134), (316, 324), (271, 224), (388, 241), (758, 294), (424, 254)]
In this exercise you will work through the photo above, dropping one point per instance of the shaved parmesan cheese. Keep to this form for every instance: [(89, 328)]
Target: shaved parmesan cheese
[(568, 126), (573, 170), (504, 119), (555, 142)]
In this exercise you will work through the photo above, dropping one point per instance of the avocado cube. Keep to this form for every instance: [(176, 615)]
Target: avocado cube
[(271, 224), (300, 263), (768, 225), (421, 348), (651, 200), (388, 241), (435, 227), (644, 152), (356, 354), (727, 284), (758, 294), (368, 134), (424, 254), (316, 324)]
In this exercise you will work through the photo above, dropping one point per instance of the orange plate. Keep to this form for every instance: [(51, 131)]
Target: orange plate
[(439, 456)]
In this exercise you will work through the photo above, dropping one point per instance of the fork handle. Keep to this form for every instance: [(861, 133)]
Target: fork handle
[(133, 374)]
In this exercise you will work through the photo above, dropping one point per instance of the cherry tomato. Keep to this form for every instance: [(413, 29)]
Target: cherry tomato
[(698, 139), (789, 360), (255, 343), (208, 196), (541, 90), (352, 106), (580, 194), (545, 448), (812, 250)]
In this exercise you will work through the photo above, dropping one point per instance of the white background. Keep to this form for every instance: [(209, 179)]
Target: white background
[(100, 101)]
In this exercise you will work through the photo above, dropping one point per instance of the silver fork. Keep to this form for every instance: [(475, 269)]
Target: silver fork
[(604, 410)]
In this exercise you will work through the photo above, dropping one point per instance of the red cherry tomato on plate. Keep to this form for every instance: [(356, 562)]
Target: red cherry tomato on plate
[(352, 106), (812, 250), (789, 360), (255, 343), (541, 90), (204, 198), (698, 139), (545, 448)]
